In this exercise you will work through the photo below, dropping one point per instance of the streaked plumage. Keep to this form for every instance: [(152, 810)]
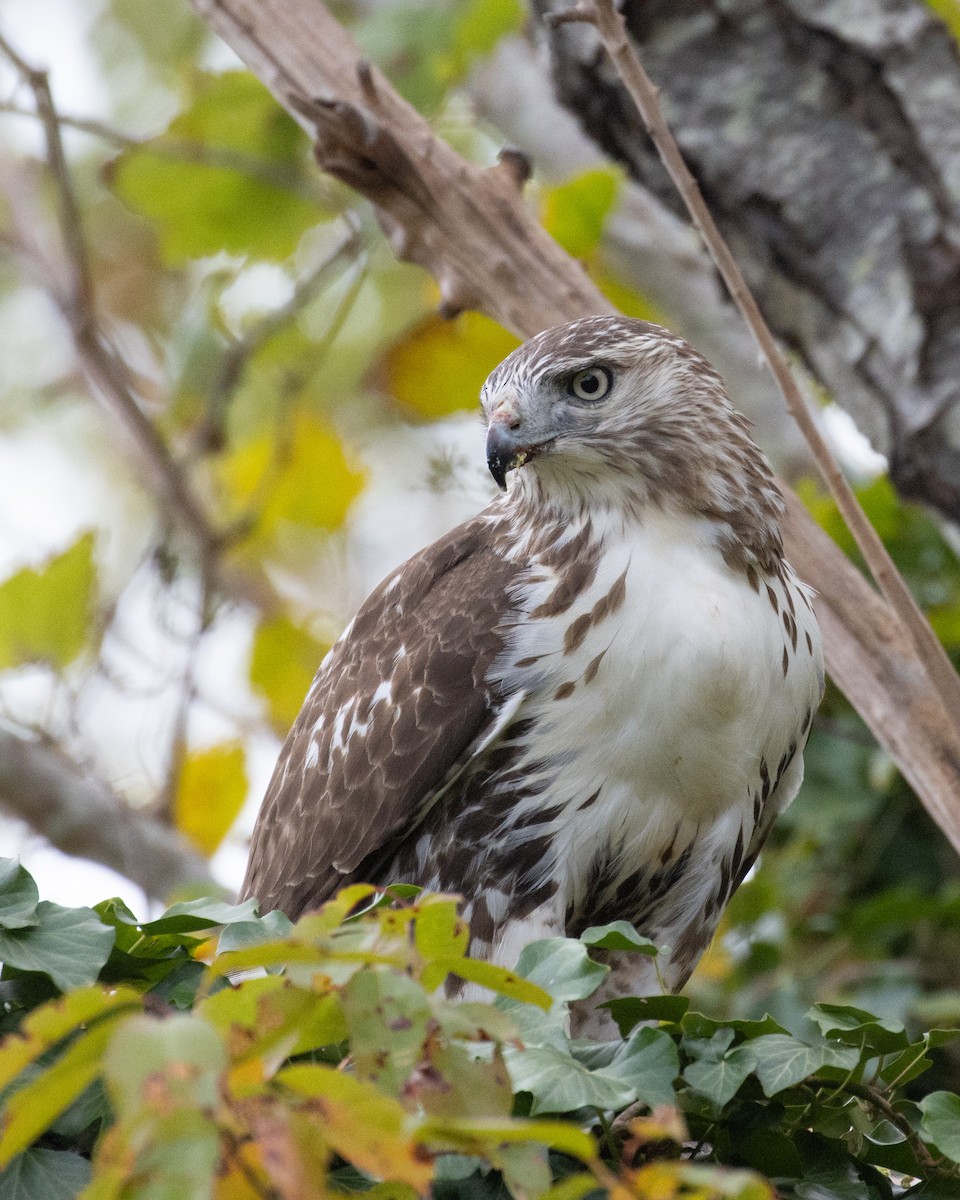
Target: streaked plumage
[(587, 703)]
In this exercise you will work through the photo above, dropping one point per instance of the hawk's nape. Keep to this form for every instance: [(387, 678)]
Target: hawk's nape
[(589, 702)]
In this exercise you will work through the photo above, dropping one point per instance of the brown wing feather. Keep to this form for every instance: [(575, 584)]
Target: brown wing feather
[(359, 765)]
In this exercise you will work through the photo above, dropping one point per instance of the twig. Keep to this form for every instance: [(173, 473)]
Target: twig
[(101, 362), (242, 349), (166, 145), (610, 25)]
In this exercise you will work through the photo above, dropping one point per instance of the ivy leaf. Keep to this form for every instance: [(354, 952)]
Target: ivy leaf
[(68, 944), (564, 970), (856, 1027), (629, 1011), (558, 1083), (210, 794), (18, 895), (45, 613), (618, 935), (649, 1062), (783, 1061), (940, 1124), (191, 916), (721, 1078), (45, 1175)]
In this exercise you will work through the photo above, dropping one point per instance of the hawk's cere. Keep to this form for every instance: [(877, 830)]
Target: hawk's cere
[(589, 702)]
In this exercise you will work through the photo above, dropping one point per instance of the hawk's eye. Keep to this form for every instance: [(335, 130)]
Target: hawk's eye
[(591, 384)]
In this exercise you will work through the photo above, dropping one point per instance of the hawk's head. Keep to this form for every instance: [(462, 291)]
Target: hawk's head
[(611, 412)]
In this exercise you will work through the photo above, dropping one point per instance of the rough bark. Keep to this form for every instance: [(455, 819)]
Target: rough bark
[(80, 816), (470, 228), (826, 137), (643, 242)]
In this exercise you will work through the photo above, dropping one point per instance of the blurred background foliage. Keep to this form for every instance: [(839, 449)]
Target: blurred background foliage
[(321, 418)]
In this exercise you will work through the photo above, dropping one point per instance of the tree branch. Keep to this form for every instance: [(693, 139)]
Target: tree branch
[(80, 816)]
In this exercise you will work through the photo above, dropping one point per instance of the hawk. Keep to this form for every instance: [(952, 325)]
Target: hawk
[(587, 703)]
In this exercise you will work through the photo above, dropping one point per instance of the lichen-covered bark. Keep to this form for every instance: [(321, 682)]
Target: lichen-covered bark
[(825, 135)]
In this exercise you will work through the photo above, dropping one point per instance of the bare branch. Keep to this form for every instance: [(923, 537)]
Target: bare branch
[(81, 816)]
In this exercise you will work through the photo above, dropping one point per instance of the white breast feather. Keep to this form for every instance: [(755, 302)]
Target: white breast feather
[(688, 698)]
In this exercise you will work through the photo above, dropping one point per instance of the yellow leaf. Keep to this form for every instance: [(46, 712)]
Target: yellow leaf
[(211, 792), (364, 1126), (303, 478), (439, 366), (45, 613), (283, 663)]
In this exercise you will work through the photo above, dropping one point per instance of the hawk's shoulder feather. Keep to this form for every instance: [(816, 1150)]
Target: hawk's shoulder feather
[(395, 711)]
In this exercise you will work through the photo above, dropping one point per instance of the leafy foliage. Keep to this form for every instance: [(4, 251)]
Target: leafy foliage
[(329, 1057)]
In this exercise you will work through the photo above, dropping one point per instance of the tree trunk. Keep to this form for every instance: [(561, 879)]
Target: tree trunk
[(825, 135)]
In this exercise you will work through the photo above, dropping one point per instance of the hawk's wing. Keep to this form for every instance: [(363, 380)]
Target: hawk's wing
[(398, 706)]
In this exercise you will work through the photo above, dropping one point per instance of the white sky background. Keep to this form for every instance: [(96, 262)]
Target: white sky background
[(52, 488)]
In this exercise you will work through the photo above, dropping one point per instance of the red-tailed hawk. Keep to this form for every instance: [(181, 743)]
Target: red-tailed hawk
[(589, 702)]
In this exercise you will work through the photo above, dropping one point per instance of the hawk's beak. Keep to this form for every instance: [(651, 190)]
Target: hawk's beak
[(504, 450)]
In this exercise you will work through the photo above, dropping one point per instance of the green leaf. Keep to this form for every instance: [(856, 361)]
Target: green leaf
[(458, 1084), (629, 1011), (618, 935), (475, 1021), (238, 934), (649, 1062), (558, 1083), (44, 1175), (18, 895), (575, 213), (721, 1078), (511, 986), (940, 1124), (783, 1061), (68, 944), (562, 967), (229, 174), (48, 1025), (35, 1106), (440, 935), (283, 663), (45, 614), (480, 24), (856, 1027), (165, 1063), (474, 1136), (387, 1015), (193, 915)]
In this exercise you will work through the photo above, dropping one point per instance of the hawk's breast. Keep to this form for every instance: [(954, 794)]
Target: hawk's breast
[(654, 697)]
